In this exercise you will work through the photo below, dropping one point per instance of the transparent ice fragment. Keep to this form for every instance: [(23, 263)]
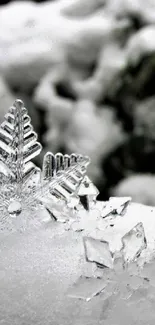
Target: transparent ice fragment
[(73, 201), (58, 212), (60, 216), (115, 205), (86, 288), (134, 242), (87, 192), (88, 188), (98, 251), (107, 210), (120, 203)]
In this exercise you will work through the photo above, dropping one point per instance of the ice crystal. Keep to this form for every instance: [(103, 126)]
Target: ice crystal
[(115, 205), (134, 242), (87, 193), (23, 185), (98, 251), (86, 288)]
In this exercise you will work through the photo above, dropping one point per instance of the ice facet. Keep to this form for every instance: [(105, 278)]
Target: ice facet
[(52, 164), (86, 288), (60, 216), (73, 202), (58, 211), (120, 203), (134, 242), (115, 205), (48, 166), (88, 188), (87, 192), (98, 251)]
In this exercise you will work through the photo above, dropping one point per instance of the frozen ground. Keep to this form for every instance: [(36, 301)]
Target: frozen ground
[(40, 271)]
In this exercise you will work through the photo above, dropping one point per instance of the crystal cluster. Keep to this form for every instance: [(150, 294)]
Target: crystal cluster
[(115, 274), (63, 189), (23, 185)]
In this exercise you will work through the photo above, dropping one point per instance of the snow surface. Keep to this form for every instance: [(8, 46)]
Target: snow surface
[(38, 268)]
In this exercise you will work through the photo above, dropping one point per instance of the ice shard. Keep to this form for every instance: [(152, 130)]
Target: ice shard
[(134, 242), (120, 203), (115, 205), (98, 251), (87, 193), (86, 288)]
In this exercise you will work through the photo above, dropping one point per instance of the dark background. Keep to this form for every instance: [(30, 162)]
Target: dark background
[(125, 166)]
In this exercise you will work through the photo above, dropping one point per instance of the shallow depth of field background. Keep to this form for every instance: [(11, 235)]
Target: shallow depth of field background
[(86, 72)]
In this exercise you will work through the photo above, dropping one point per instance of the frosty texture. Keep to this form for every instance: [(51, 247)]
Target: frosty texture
[(43, 281)]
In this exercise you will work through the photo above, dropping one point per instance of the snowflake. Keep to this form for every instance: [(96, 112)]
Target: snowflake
[(24, 186)]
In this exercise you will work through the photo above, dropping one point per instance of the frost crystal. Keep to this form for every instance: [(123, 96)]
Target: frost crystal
[(134, 242), (115, 205), (98, 251), (24, 186), (87, 193)]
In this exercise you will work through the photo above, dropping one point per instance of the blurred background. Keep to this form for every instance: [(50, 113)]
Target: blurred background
[(86, 72)]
